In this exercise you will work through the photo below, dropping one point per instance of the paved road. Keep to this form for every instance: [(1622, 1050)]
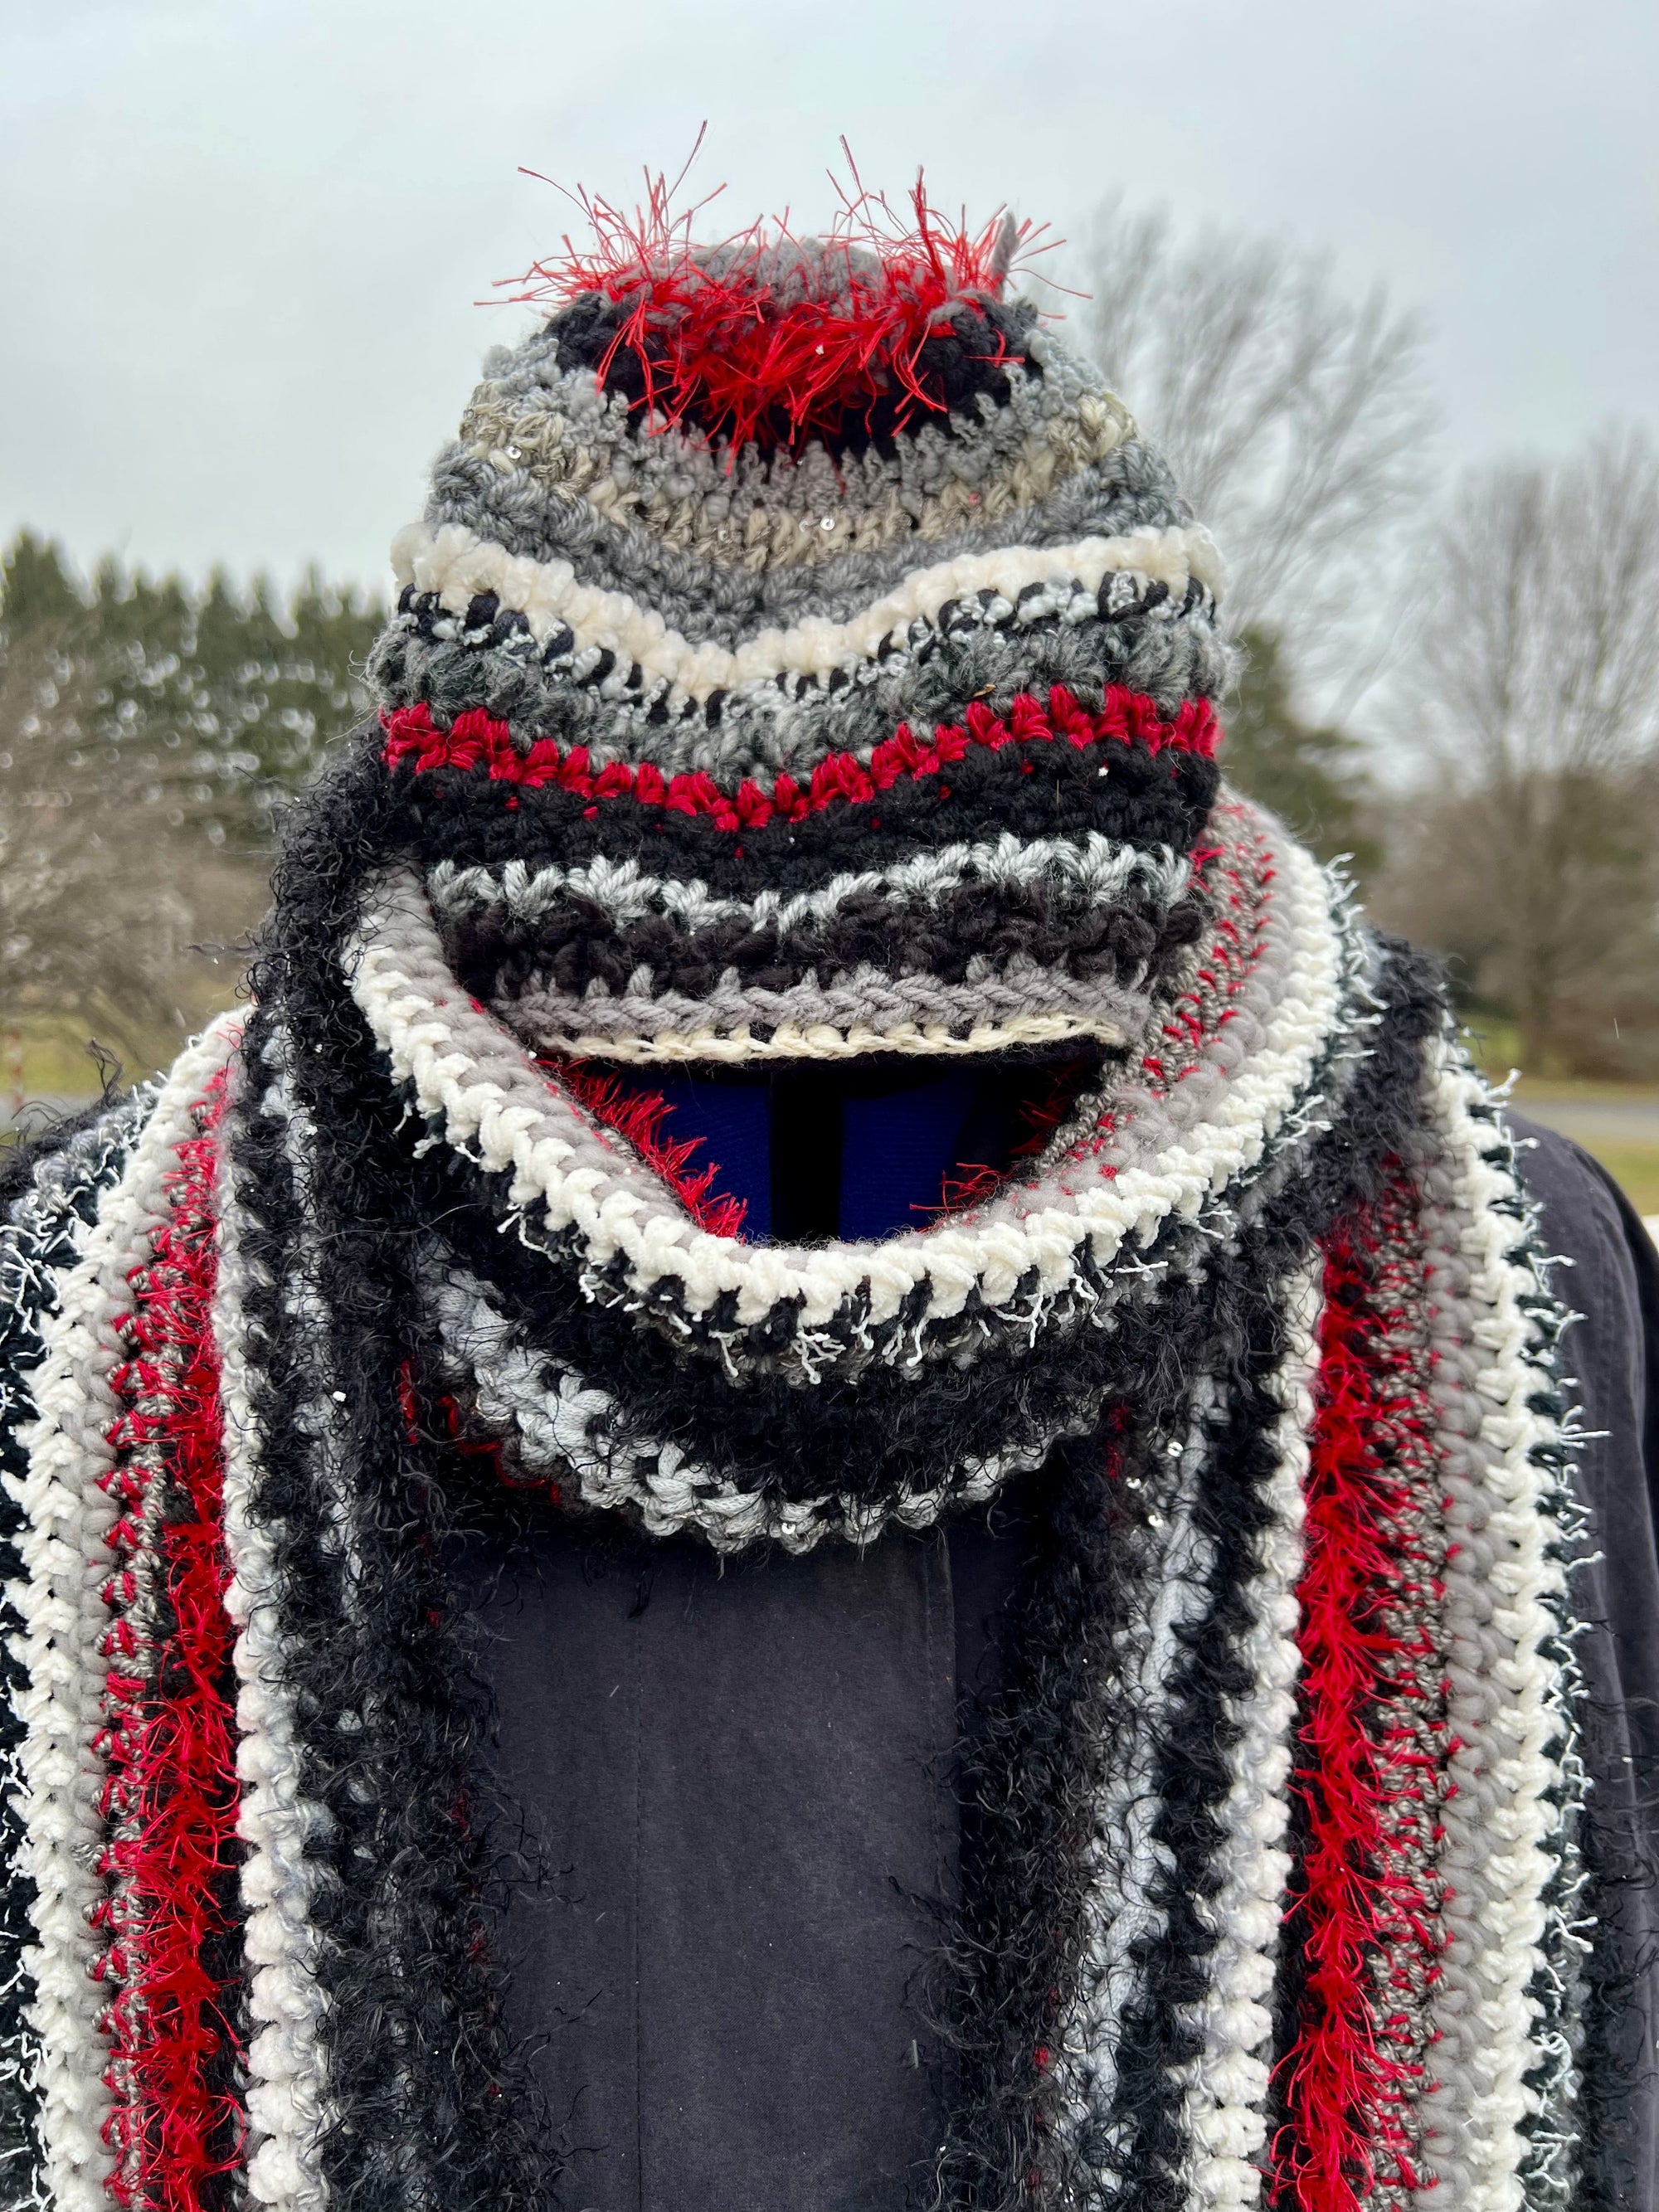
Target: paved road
[(1597, 1121)]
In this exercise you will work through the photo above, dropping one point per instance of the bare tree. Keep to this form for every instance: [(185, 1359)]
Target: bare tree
[(1295, 415), (1533, 699)]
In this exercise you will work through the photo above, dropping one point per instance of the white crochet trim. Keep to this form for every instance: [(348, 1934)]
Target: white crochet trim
[(492, 1103), (66, 1561), (1506, 1693), (1099, 867), (457, 565), (287, 2102), (1227, 2086), (822, 1040)]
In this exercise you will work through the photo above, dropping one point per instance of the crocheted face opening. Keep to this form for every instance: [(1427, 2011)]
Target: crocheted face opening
[(802, 1153)]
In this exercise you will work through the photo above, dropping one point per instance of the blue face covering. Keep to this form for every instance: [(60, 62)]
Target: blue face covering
[(853, 1153)]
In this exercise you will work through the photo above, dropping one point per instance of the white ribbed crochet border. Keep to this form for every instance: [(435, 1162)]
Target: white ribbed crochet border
[(457, 565), (289, 2107), (1509, 1699), (66, 1562), (481, 1088)]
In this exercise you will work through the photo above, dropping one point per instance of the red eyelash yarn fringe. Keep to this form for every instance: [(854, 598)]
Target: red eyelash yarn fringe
[(638, 1116), (744, 334), (1346, 2081), (173, 1789), (475, 739)]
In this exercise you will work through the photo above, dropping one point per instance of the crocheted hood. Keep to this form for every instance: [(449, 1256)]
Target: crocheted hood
[(803, 654)]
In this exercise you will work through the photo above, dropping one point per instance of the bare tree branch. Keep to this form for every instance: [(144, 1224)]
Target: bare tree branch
[(1533, 704), (1295, 417)]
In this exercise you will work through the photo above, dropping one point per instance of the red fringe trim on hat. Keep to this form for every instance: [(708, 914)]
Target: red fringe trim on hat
[(725, 334)]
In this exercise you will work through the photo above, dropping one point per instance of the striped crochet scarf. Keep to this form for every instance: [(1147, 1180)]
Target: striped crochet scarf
[(1287, 1882), (708, 744)]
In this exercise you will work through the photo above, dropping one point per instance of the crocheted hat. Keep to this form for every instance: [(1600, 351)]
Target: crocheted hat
[(803, 654)]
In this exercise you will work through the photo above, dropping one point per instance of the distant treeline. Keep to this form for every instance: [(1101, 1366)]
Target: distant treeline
[(149, 730)]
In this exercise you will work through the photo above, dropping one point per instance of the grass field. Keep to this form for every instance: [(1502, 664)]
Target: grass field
[(1636, 1167), (1618, 1123)]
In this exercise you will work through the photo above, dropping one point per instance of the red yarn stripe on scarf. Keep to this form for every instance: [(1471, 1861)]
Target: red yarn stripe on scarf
[(172, 1790), (475, 739), (1347, 2082)]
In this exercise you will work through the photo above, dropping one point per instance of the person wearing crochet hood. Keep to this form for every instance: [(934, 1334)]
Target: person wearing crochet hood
[(836, 1463)]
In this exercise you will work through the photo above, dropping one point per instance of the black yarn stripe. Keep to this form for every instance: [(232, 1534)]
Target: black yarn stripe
[(1030, 1774), (572, 944), (1027, 791), (65, 1176), (413, 2037)]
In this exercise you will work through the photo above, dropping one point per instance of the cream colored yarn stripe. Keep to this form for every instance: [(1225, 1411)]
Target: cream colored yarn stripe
[(1226, 2097), (1507, 1694), (66, 1560), (287, 2103), (457, 564)]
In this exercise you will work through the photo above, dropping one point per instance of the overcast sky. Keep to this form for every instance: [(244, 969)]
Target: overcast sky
[(240, 240)]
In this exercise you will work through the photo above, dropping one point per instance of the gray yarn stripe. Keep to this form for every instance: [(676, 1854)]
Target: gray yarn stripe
[(712, 606), (869, 999), (1099, 870), (560, 1424), (554, 436)]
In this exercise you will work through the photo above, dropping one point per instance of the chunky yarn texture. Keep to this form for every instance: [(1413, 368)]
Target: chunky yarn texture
[(857, 725)]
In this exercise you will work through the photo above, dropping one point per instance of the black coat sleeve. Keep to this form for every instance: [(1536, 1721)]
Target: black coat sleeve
[(1607, 1273)]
